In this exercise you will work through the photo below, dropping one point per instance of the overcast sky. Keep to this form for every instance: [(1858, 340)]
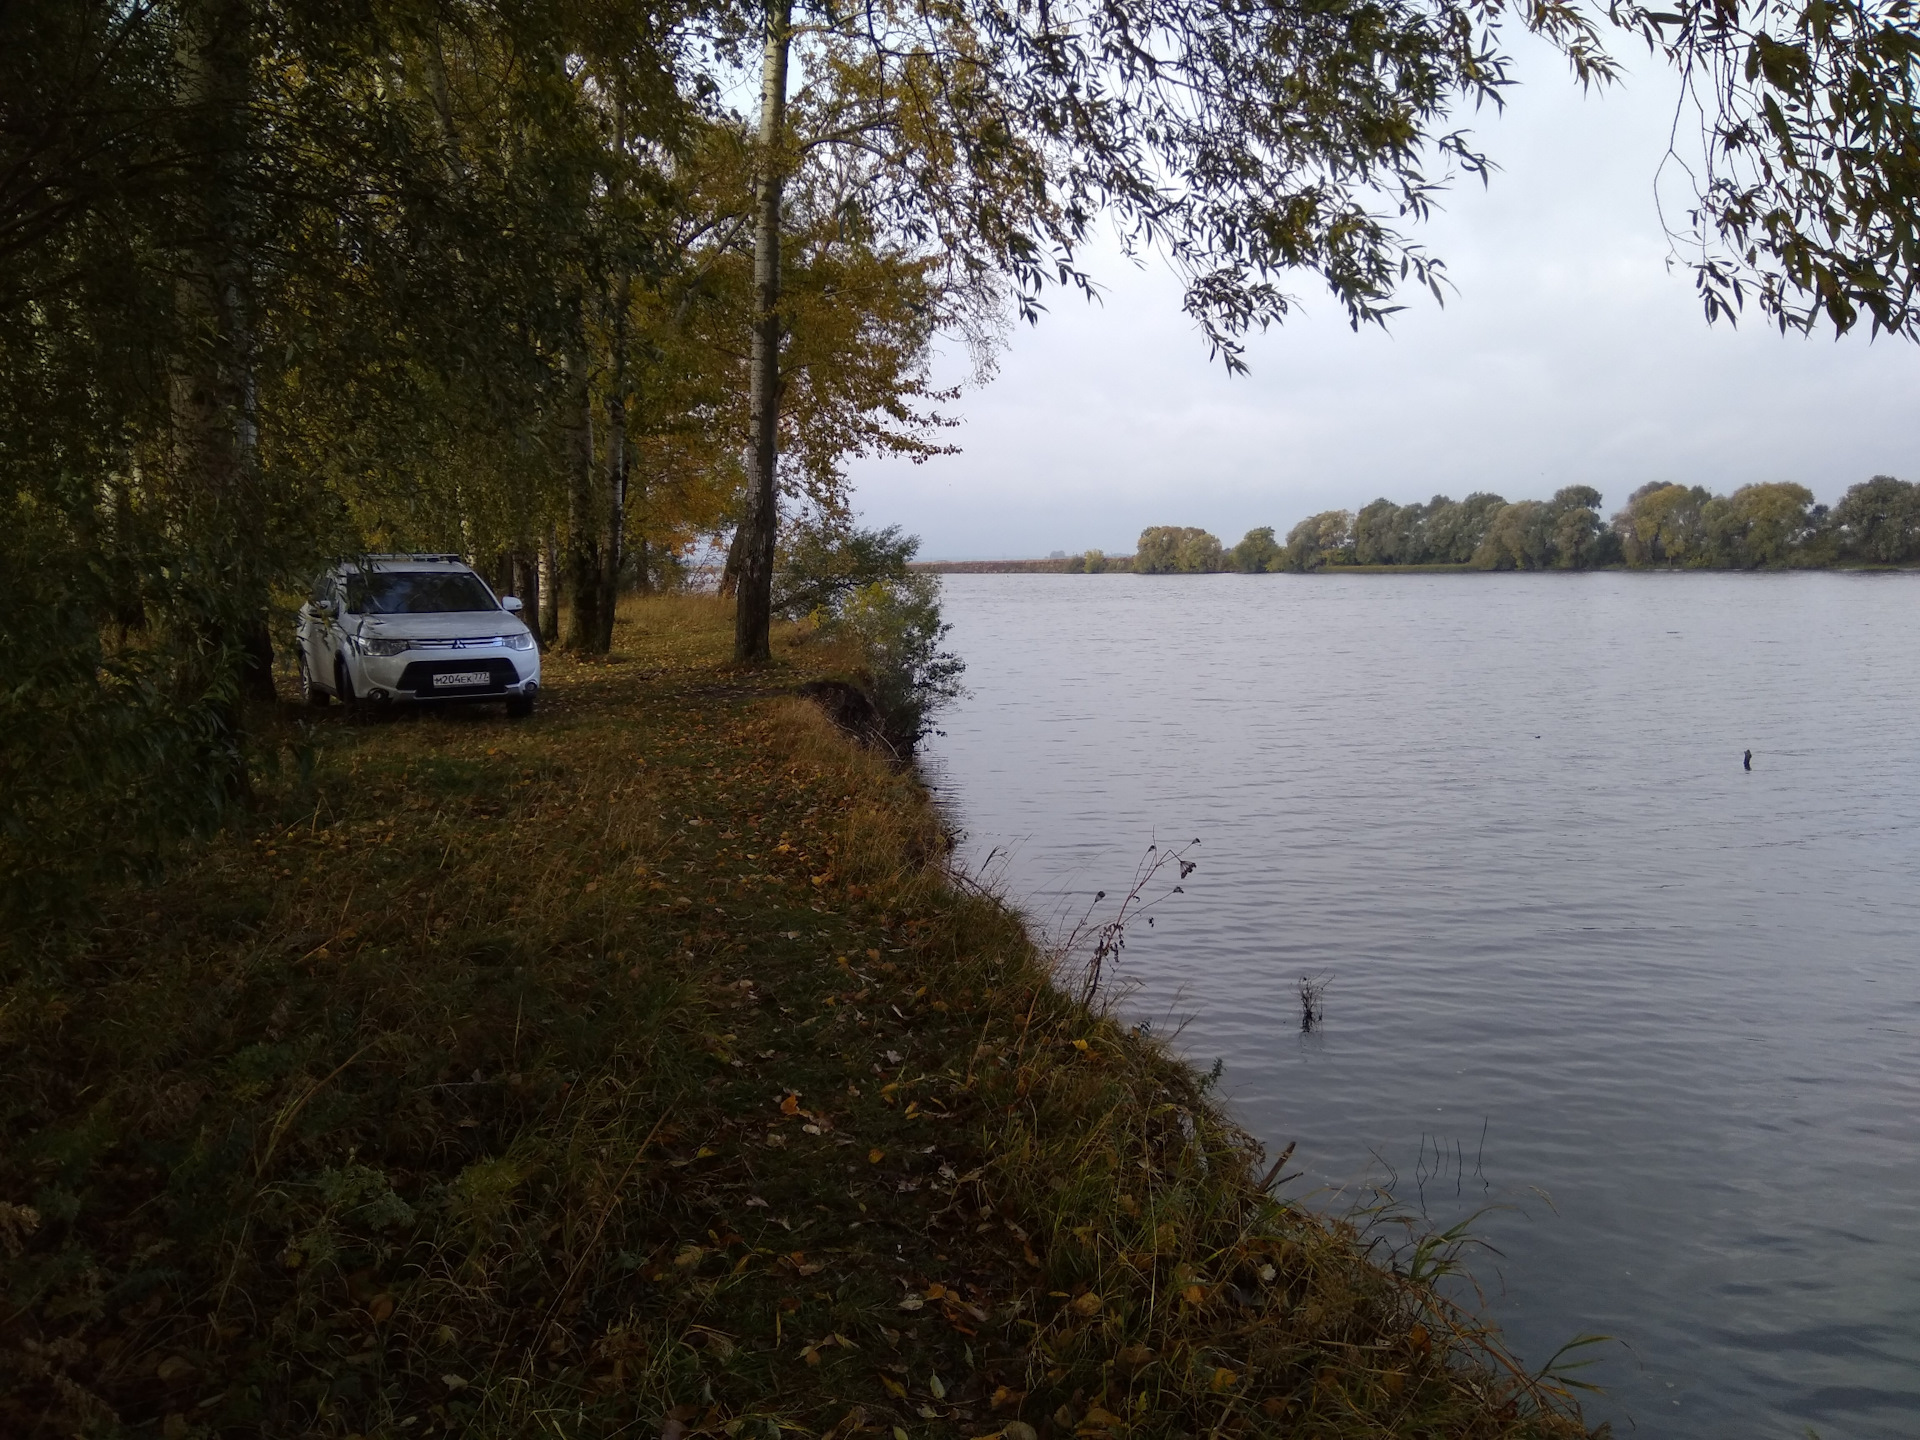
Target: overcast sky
[(1570, 353)]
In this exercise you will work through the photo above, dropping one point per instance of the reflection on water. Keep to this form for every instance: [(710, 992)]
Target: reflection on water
[(1580, 963)]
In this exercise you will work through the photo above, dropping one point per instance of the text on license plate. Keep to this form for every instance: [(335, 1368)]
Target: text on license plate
[(451, 678)]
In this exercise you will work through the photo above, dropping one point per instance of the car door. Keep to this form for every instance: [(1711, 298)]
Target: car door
[(323, 613), (306, 629)]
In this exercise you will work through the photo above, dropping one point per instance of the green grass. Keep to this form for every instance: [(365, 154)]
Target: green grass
[(638, 1069)]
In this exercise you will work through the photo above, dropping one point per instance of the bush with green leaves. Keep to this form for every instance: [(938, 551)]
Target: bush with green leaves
[(1257, 552), (1178, 550), (857, 586), (821, 561), (897, 626)]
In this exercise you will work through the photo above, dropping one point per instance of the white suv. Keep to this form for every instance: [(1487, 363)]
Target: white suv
[(394, 628)]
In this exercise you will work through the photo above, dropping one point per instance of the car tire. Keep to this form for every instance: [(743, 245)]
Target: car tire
[(311, 693), (519, 707), (343, 684)]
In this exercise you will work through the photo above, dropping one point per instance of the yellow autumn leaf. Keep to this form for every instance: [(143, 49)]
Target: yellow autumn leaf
[(1087, 1304), (1224, 1379), (876, 1155)]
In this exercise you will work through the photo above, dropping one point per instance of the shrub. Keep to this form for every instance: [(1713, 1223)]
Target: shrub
[(1256, 552), (856, 586), (897, 627), (1323, 539), (1178, 549), (823, 560)]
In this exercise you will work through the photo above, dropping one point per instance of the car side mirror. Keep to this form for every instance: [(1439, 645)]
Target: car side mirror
[(324, 609), (511, 604)]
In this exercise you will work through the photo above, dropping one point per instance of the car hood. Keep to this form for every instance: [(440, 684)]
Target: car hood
[(446, 625)]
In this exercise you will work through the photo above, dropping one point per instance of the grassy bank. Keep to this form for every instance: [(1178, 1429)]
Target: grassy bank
[(639, 1070)]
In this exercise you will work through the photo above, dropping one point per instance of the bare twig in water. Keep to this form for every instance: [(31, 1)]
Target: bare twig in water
[(1109, 938), (1312, 988)]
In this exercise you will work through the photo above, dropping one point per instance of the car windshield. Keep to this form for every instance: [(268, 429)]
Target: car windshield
[(417, 592)]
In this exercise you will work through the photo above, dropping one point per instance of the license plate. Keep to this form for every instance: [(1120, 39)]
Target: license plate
[(452, 678)]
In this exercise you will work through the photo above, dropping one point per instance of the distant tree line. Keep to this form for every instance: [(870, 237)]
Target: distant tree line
[(1768, 526), (1098, 562)]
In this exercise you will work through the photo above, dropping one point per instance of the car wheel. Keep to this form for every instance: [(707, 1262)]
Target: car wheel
[(310, 692), (343, 683), (519, 707)]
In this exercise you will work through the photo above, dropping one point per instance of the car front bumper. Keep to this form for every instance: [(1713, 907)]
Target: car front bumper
[(413, 677)]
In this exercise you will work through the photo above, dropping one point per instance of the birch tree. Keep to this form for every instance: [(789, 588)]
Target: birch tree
[(1243, 142)]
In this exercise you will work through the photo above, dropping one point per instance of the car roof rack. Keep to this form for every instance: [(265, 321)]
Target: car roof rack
[(418, 555)]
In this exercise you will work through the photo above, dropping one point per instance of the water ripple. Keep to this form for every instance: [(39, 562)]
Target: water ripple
[(1581, 961)]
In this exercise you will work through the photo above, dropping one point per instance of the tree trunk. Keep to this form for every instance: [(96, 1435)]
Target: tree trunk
[(730, 567), (526, 584), (642, 549), (619, 301), (550, 591), (642, 564), (583, 520), (616, 463), (211, 386), (753, 611)]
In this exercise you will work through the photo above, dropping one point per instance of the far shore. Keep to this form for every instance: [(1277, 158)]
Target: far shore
[(1123, 564)]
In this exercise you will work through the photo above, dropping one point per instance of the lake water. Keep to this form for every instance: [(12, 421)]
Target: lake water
[(1583, 965)]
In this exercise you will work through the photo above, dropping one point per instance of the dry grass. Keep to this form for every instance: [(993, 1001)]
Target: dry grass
[(640, 1070)]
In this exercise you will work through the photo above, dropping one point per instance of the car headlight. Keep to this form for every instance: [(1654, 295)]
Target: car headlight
[(522, 641), (372, 645)]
